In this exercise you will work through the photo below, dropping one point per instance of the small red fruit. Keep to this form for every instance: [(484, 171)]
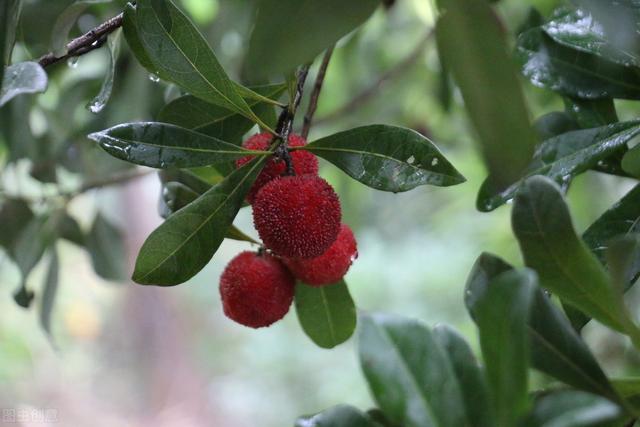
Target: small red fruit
[(297, 216), (256, 290), (329, 267), (304, 162)]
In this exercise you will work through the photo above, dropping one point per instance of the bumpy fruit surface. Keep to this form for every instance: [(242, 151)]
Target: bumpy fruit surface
[(329, 267), (297, 216), (256, 290), (304, 162)]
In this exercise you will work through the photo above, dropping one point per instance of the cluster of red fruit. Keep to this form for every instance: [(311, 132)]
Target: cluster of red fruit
[(298, 218)]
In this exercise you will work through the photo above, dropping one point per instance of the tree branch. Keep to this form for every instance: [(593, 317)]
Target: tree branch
[(87, 42), (116, 179), (364, 95), (317, 87)]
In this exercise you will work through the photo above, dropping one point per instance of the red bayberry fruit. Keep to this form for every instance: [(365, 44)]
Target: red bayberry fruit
[(329, 267), (256, 290), (297, 216), (304, 162)]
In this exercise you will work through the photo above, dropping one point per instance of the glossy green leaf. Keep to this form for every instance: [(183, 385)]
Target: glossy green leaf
[(186, 241), (580, 30), (502, 313), (327, 314), (193, 113), (98, 103), (187, 177), (105, 243), (177, 52), (469, 375), (288, 33), (9, 15), (387, 158), (49, 292), (591, 113), (161, 145), (570, 408), (409, 373), (338, 416), (549, 244), (550, 65), (631, 161), (490, 87), (563, 157), (556, 348), (20, 78), (64, 23)]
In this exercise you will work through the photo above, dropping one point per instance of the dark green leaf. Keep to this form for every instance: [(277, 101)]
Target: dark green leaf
[(23, 77), (338, 416), (195, 114), (502, 313), (69, 229), (9, 14), (100, 101), (631, 161), (288, 33), (327, 314), (556, 349), (49, 292), (570, 408), (409, 374), (623, 260), (387, 158), (469, 375), (581, 30), (186, 177), (162, 145), (490, 87), (186, 241), (573, 73), (565, 156), (543, 227), (177, 52), (591, 113), (554, 124), (64, 23), (15, 215), (105, 244)]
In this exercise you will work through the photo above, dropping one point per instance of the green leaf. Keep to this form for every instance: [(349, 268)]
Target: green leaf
[(490, 87), (100, 101), (563, 157), (502, 314), (177, 52), (387, 158), (105, 244), (556, 348), (631, 161), (186, 241), (409, 373), (573, 73), (469, 375), (161, 145), (548, 241), (590, 113), (629, 388), (288, 33), (570, 408), (15, 215), (554, 124), (623, 260), (69, 229), (64, 23), (23, 77), (338, 416), (193, 113), (327, 314), (580, 30), (9, 16), (49, 293)]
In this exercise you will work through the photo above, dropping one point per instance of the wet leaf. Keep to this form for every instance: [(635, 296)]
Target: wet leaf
[(186, 241), (161, 145), (387, 158), (327, 314), (591, 113), (338, 416), (21, 78), (100, 101)]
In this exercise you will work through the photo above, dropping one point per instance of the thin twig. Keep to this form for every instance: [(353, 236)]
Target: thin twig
[(87, 42), (364, 95), (317, 87)]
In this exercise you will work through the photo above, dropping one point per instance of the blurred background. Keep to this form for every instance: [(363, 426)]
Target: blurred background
[(127, 355)]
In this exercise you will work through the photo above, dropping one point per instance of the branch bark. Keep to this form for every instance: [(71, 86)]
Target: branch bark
[(315, 95), (87, 42)]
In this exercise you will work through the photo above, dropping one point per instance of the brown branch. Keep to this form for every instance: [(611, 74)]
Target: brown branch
[(364, 95), (87, 42), (317, 87)]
